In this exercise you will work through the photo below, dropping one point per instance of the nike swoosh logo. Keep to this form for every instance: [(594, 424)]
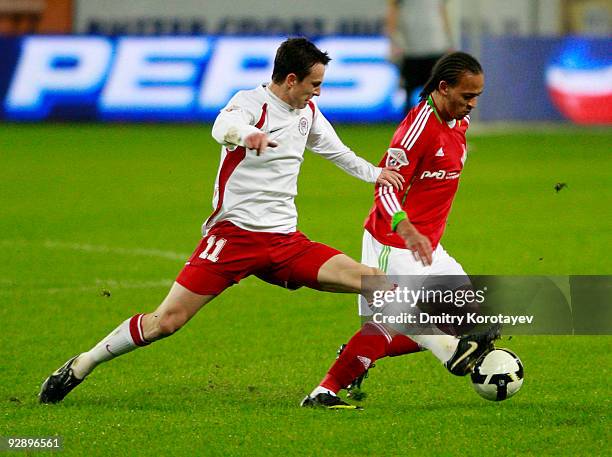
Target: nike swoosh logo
[(109, 351), (276, 130), (473, 347)]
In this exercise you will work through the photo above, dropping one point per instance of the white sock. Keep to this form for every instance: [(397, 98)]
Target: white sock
[(125, 338), (442, 346), (321, 390)]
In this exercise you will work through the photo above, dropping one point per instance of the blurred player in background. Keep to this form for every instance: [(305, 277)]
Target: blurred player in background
[(419, 33), (403, 230), (253, 229)]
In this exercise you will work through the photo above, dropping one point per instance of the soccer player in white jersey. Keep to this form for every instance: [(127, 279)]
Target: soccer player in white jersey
[(253, 228), (403, 230)]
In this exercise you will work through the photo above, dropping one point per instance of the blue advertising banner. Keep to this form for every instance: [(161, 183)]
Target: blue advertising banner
[(183, 79), (179, 78)]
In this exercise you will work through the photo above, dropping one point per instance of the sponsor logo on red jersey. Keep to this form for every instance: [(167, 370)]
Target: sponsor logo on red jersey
[(440, 174)]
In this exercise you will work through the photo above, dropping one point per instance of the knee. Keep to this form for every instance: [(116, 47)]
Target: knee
[(373, 279), (364, 276), (366, 270), (376, 271), (374, 276)]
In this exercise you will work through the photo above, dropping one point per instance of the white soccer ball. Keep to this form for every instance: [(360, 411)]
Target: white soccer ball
[(498, 375)]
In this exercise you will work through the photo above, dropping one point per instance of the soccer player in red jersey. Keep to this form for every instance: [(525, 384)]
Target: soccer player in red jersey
[(253, 228), (403, 230)]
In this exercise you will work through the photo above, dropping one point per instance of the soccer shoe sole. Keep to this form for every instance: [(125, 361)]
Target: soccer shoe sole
[(309, 402)]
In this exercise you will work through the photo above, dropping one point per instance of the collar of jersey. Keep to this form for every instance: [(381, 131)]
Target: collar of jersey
[(277, 100), (431, 103)]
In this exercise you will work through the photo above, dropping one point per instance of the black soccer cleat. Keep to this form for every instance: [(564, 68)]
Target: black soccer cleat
[(328, 401), (59, 384), (354, 388), (470, 349)]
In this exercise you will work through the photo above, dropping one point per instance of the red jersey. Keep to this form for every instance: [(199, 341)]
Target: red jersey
[(430, 154)]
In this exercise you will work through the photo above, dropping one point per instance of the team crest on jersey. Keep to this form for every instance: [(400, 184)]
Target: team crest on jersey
[(303, 126), (396, 157)]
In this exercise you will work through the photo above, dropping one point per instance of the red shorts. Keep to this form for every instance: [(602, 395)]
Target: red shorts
[(228, 254)]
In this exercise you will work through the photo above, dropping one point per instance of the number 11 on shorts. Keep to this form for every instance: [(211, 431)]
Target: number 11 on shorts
[(214, 255)]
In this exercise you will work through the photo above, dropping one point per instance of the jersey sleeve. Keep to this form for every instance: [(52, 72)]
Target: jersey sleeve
[(324, 140), (235, 121), (388, 200)]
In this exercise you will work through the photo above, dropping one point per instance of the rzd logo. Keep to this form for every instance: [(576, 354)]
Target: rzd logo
[(440, 174)]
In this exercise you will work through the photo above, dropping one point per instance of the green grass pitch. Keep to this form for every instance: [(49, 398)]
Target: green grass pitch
[(93, 208)]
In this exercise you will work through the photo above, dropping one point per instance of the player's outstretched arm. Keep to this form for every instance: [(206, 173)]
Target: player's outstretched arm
[(324, 140), (418, 243)]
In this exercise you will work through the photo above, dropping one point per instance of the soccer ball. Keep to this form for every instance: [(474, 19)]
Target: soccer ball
[(498, 375)]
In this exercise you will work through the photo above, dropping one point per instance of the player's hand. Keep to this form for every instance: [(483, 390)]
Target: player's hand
[(259, 141), (418, 243), (389, 176)]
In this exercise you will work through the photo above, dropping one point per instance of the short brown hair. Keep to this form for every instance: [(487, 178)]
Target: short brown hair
[(297, 55)]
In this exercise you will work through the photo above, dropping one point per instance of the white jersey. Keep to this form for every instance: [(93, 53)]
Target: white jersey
[(257, 192)]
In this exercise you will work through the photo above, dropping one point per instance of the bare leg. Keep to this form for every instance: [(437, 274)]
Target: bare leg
[(345, 275)]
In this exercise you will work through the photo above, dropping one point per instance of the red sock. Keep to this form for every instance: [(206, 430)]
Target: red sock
[(364, 348), (400, 345)]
